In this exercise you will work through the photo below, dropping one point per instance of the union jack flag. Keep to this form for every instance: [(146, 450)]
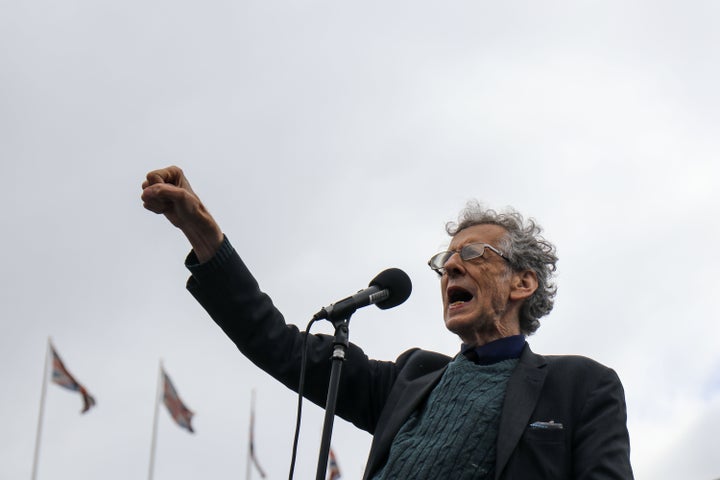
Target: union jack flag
[(178, 411), (333, 468), (62, 377)]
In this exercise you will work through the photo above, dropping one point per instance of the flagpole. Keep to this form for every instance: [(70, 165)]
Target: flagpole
[(41, 414), (155, 423), (250, 439)]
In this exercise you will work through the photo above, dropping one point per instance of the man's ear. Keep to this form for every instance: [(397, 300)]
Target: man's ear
[(523, 285)]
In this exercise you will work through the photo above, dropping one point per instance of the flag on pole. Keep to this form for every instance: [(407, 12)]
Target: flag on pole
[(333, 469), (62, 377), (251, 447), (178, 411)]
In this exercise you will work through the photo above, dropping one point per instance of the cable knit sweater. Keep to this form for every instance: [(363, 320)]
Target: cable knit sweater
[(454, 435)]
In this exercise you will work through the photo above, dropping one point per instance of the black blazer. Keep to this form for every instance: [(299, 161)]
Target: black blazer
[(563, 416)]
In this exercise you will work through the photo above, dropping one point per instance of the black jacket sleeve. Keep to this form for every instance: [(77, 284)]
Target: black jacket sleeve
[(230, 294)]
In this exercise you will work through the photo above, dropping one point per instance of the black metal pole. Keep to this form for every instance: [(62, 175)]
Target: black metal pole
[(338, 357)]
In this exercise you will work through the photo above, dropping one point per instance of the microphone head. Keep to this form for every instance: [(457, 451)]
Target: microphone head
[(397, 283)]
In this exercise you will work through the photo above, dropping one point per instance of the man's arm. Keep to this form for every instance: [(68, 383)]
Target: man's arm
[(226, 289), (167, 191)]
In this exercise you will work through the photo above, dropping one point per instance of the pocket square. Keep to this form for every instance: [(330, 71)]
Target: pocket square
[(551, 425)]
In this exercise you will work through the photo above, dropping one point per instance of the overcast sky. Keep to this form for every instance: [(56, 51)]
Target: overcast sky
[(332, 140)]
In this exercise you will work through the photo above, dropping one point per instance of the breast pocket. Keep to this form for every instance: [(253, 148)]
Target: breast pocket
[(541, 454), (545, 432)]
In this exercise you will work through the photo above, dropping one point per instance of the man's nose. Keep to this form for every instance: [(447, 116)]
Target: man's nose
[(454, 265)]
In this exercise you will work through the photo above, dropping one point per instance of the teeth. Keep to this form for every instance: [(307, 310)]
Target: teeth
[(458, 302)]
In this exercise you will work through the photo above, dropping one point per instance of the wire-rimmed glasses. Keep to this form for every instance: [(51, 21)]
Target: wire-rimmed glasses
[(470, 251)]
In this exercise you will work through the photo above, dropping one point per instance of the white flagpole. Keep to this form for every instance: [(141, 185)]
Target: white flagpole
[(155, 423), (250, 436), (42, 411)]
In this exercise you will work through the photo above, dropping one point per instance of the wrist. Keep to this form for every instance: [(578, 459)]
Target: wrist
[(205, 239)]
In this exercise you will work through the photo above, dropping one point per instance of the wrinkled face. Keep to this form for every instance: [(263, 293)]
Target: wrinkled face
[(475, 293)]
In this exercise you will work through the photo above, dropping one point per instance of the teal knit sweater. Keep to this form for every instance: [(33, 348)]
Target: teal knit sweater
[(453, 436)]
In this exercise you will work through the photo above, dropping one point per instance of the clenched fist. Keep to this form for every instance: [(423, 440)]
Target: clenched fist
[(167, 191)]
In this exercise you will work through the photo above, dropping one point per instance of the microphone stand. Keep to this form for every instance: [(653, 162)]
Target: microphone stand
[(340, 344)]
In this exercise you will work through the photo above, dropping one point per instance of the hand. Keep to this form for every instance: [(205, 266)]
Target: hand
[(168, 192)]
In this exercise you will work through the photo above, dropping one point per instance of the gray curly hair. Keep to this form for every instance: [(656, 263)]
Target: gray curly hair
[(525, 248)]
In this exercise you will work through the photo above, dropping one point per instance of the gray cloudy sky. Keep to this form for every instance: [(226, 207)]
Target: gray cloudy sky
[(332, 140)]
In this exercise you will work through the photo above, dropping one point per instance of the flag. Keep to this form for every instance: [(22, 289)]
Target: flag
[(62, 377), (253, 458), (178, 411), (333, 469)]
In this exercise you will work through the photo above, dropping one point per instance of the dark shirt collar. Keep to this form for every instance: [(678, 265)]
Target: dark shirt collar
[(495, 351)]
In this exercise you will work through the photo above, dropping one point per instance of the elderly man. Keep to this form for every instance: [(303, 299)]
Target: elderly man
[(494, 411)]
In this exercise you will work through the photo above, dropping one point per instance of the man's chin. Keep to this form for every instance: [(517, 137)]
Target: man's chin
[(470, 331), (462, 327)]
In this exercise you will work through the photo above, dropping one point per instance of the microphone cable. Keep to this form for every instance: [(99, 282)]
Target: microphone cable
[(301, 388)]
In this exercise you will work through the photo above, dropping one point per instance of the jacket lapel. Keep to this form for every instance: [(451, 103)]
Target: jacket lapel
[(521, 396), (404, 404)]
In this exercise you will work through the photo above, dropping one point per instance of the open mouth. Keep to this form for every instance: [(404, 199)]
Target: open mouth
[(458, 295)]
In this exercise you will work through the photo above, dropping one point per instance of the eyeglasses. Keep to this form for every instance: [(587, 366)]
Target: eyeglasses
[(468, 252)]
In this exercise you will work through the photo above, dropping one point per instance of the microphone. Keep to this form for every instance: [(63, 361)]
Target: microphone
[(389, 289)]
